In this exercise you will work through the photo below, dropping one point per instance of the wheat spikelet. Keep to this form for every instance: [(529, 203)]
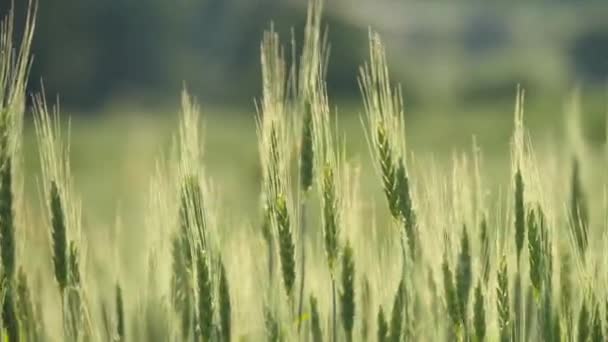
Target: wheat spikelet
[(578, 211), (584, 322), (205, 296), (25, 308), (520, 214), (383, 328), (225, 306), (9, 315), (347, 297), (597, 334), (479, 315), (397, 316), (120, 315), (315, 320), (451, 296), (502, 301), (464, 275)]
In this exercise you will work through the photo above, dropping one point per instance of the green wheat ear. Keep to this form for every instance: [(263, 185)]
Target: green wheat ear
[(479, 315), (464, 275), (502, 301), (578, 211), (205, 296), (59, 238), (366, 308), (272, 327), (330, 217), (347, 297), (485, 250), (315, 320), (120, 315), (451, 296), (387, 169), (382, 326), (583, 327), (307, 151), (536, 222), (398, 314), (597, 335), (25, 308), (286, 245), (225, 305), (7, 228), (10, 319), (520, 214)]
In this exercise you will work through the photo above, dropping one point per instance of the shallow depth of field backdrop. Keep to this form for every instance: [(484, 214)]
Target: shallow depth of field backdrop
[(118, 69)]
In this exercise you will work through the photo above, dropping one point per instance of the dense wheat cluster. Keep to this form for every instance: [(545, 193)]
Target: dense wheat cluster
[(440, 259)]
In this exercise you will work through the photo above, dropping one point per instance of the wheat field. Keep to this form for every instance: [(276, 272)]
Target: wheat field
[(381, 247)]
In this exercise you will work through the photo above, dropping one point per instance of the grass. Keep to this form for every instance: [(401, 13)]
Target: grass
[(336, 228)]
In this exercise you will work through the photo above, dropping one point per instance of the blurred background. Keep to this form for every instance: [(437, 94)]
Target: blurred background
[(118, 66)]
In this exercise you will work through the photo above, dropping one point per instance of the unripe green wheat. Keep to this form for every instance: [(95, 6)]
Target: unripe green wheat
[(451, 296), (485, 250), (307, 151), (535, 223), (520, 214), (502, 302), (25, 308), (397, 316), (597, 334), (387, 169), (347, 297), (225, 306), (10, 318), (7, 228), (273, 329), (584, 323), (406, 209), (315, 320), (181, 290), (74, 265), (479, 315), (286, 245), (120, 315), (330, 217), (59, 238), (578, 211), (464, 275), (205, 297), (366, 308), (382, 327)]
